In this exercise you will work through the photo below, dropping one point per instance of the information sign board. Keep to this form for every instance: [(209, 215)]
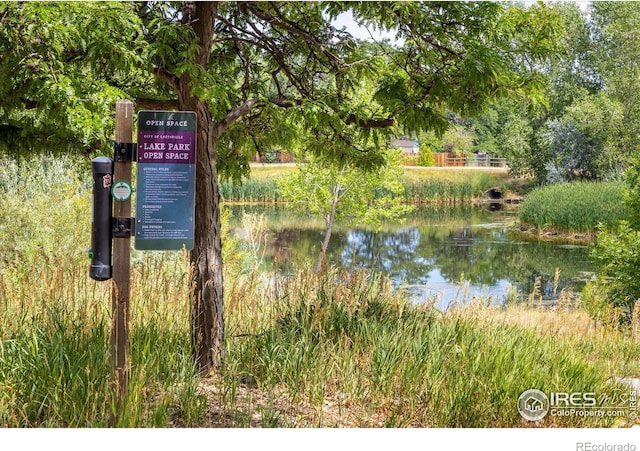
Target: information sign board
[(166, 178)]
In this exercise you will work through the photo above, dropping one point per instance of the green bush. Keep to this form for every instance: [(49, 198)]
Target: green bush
[(617, 255), (632, 193), (426, 156)]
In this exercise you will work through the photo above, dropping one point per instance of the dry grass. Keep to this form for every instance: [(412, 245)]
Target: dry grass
[(258, 407), (266, 171), (554, 322)]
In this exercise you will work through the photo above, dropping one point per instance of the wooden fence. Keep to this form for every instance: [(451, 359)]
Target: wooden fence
[(443, 159)]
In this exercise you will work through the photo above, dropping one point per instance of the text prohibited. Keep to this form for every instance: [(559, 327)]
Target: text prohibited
[(166, 180)]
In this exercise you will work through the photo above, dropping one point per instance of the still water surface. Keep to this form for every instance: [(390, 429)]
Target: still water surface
[(444, 253)]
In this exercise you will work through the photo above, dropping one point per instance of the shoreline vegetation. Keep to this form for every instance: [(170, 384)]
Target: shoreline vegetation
[(565, 212), (340, 348), (573, 209), (422, 186)]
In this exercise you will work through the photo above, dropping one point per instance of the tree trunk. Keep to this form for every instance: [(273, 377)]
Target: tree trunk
[(325, 242), (329, 220), (207, 293)]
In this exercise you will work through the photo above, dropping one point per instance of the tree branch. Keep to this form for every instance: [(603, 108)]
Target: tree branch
[(241, 52), (166, 76), (370, 123), (241, 111), (279, 20), (285, 103), (351, 119), (156, 104)]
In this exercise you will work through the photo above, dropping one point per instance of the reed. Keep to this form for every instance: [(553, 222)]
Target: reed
[(251, 190), (574, 207), (420, 186)]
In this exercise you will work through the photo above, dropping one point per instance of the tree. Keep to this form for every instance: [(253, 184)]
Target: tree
[(574, 72), (259, 75), (60, 68), (505, 129), (615, 26), (614, 294), (348, 194), (526, 136)]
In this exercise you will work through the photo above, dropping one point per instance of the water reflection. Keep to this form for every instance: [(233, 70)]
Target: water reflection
[(447, 253)]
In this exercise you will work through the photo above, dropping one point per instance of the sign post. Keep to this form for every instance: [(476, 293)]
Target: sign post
[(121, 250), (166, 155), (166, 173)]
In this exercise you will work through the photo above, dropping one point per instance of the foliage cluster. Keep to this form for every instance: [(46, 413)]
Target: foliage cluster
[(587, 127), (349, 194), (426, 157), (617, 248), (617, 254), (616, 291), (64, 66)]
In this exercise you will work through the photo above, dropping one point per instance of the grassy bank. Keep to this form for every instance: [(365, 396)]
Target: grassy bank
[(340, 349), (573, 207), (348, 340), (421, 185)]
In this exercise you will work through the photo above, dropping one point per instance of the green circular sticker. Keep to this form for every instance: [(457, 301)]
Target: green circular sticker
[(121, 191)]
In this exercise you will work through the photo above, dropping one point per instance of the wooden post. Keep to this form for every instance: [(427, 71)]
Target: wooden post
[(121, 262)]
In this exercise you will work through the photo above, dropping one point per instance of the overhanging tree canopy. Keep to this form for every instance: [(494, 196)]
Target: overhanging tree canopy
[(260, 75)]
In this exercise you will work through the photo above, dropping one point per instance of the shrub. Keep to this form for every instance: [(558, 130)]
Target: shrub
[(426, 156), (617, 255), (410, 160)]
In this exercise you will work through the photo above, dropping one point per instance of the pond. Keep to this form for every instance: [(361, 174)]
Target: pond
[(441, 254)]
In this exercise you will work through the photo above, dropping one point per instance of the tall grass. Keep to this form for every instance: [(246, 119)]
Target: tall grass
[(439, 191), (349, 339), (420, 186), (574, 207), (340, 348), (251, 190), (55, 321)]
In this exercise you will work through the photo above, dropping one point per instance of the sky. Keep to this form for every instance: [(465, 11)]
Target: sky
[(347, 21)]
